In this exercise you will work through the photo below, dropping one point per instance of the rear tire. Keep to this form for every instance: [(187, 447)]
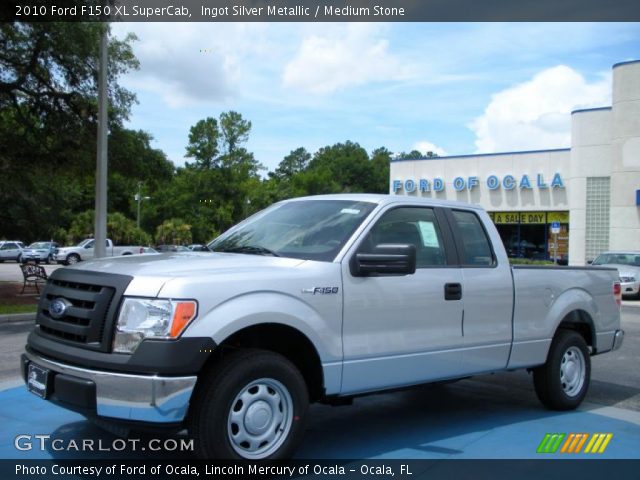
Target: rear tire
[(562, 382), (252, 405)]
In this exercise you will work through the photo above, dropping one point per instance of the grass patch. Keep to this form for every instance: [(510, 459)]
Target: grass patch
[(6, 309)]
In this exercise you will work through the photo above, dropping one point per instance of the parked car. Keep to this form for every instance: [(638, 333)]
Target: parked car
[(85, 251), (11, 250), (172, 248), (628, 265), (39, 252), (145, 250), (197, 247), (313, 299)]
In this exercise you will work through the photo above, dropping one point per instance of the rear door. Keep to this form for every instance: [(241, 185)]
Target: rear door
[(403, 330), (487, 293)]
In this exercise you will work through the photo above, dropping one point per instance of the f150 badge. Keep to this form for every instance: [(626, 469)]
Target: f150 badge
[(321, 290)]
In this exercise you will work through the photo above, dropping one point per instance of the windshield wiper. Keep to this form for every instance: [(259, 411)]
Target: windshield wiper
[(251, 249)]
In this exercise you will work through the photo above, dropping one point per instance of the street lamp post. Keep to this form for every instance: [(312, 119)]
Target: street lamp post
[(139, 198)]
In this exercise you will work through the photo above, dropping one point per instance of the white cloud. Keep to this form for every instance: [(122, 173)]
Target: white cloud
[(346, 56), (537, 114), (188, 64), (425, 146)]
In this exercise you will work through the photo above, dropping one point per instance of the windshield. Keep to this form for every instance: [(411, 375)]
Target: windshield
[(632, 259), (37, 245), (307, 229)]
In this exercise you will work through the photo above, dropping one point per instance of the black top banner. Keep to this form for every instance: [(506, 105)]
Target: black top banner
[(320, 10)]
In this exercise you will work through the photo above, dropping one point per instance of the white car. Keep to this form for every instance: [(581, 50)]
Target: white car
[(11, 250), (39, 252), (628, 265)]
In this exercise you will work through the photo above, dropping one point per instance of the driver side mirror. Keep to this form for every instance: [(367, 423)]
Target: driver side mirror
[(386, 259)]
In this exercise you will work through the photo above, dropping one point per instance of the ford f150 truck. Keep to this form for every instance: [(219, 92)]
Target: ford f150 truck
[(312, 299), (85, 251)]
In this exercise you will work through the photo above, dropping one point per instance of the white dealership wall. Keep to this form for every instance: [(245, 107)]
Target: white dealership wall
[(604, 155)]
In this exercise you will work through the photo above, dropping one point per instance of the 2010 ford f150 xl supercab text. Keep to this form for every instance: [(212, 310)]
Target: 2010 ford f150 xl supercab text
[(312, 299)]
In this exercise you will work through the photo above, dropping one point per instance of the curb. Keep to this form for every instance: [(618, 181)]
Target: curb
[(18, 317)]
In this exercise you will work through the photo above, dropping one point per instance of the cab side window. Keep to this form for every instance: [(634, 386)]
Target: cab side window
[(409, 225), (476, 248)]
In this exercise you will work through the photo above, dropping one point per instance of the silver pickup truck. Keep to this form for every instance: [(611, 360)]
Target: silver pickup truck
[(85, 251), (313, 299)]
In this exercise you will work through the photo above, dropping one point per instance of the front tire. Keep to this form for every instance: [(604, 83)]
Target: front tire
[(252, 405), (73, 259), (562, 382)]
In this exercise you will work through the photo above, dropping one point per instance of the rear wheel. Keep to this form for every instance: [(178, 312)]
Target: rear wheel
[(562, 382), (250, 405)]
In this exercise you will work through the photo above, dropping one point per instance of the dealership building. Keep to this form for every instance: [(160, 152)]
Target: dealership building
[(570, 203)]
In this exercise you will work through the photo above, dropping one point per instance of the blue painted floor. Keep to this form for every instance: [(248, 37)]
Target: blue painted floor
[(466, 420)]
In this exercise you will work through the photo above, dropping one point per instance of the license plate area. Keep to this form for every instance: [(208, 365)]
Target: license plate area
[(38, 380)]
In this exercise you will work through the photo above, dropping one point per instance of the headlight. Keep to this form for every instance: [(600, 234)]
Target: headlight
[(142, 318)]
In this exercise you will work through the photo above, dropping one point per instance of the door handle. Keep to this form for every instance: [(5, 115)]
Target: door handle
[(452, 291)]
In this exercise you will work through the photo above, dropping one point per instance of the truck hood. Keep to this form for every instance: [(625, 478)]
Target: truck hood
[(172, 265), (152, 272)]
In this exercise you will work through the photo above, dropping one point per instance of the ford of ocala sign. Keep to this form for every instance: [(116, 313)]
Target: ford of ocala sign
[(493, 182)]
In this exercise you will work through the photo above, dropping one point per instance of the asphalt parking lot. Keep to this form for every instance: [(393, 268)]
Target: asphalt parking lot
[(486, 417)]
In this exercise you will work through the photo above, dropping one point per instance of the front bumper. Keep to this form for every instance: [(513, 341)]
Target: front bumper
[(145, 398)]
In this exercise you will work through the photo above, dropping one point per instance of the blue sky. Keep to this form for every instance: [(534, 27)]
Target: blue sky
[(451, 88)]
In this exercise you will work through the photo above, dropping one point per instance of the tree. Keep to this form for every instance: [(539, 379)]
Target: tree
[(295, 162), (48, 92), (120, 229), (174, 231), (380, 160), (348, 165), (49, 71), (203, 143), (234, 129), (416, 155)]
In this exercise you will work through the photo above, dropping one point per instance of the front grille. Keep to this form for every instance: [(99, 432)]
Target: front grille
[(92, 299)]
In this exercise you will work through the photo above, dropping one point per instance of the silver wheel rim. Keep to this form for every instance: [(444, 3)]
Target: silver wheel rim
[(572, 371), (260, 418), (72, 259)]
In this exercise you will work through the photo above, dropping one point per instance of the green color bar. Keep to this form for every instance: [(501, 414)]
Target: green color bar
[(541, 447), (556, 445)]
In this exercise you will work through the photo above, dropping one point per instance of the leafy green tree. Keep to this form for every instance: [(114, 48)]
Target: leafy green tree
[(416, 155), (48, 115), (174, 231), (203, 143), (380, 161), (348, 165), (235, 131), (295, 162), (120, 229)]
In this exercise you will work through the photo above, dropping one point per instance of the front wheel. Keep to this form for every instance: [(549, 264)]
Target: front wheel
[(252, 405), (73, 259), (562, 382)]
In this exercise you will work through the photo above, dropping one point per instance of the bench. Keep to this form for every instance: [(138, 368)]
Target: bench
[(32, 275)]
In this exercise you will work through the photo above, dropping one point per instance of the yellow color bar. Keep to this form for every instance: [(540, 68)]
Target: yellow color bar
[(590, 444), (607, 439)]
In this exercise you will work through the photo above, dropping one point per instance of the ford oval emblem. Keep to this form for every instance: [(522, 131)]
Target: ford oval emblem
[(58, 307)]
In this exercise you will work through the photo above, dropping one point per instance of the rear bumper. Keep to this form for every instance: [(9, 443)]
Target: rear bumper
[(145, 398)]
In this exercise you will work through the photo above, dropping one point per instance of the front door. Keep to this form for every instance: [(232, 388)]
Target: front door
[(401, 330)]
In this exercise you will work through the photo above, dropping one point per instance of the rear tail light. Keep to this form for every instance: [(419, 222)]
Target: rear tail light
[(617, 293)]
